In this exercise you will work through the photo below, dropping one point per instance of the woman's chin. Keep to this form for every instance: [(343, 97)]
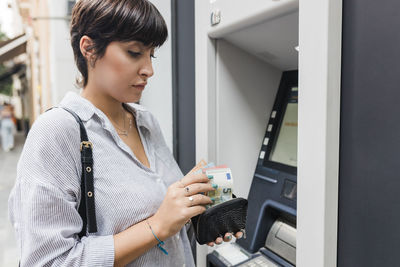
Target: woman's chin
[(133, 99)]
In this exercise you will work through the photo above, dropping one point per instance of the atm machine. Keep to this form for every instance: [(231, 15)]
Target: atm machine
[(251, 56), (271, 221)]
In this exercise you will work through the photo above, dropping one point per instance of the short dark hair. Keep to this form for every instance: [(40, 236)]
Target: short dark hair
[(105, 21)]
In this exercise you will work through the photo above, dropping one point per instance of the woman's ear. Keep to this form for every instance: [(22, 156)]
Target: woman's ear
[(86, 47)]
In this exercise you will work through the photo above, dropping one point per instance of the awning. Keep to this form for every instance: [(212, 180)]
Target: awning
[(12, 48)]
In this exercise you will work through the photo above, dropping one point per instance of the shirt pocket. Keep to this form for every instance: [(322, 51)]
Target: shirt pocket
[(166, 167), (164, 154)]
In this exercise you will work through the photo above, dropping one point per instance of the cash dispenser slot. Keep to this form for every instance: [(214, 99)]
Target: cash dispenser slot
[(274, 233), (281, 240)]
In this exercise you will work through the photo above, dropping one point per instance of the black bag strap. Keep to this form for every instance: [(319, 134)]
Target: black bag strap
[(86, 206)]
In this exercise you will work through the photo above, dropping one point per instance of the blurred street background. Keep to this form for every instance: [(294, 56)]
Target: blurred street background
[(36, 70)]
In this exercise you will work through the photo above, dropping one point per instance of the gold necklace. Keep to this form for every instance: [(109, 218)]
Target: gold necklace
[(123, 132)]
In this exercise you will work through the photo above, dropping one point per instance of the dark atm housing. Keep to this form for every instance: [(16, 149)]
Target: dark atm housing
[(273, 192), (271, 218)]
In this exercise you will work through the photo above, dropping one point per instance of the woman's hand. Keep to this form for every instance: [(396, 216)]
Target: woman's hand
[(227, 238), (182, 202)]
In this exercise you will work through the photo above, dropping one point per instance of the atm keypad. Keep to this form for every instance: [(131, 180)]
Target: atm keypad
[(260, 261)]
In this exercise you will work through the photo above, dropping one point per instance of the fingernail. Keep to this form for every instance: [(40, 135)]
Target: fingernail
[(215, 186), (212, 199), (210, 176)]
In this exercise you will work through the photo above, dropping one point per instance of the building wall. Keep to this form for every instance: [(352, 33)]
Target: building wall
[(39, 70), (43, 34), (63, 70), (10, 21)]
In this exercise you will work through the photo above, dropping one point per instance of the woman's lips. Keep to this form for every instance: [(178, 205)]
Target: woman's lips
[(139, 86)]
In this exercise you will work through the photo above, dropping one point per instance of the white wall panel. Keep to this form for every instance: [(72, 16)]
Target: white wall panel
[(318, 134), (246, 89), (157, 97)]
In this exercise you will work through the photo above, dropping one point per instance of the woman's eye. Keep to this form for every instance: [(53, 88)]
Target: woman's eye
[(134, 54)]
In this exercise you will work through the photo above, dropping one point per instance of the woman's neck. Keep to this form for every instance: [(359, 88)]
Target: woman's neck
[(108, 105)]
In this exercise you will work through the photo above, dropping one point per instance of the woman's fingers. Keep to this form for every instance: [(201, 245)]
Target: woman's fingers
[(239, 235), (199, 188), (193, 178), (228, 237), (195, 210), (198, 199), (218, 240)]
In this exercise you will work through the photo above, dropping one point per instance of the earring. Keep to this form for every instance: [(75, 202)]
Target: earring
[(91, 62)]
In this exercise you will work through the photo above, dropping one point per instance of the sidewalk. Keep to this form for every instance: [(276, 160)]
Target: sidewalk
[(9, 255)]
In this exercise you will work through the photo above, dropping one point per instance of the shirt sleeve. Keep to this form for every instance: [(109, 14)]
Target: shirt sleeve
[(43, 203)]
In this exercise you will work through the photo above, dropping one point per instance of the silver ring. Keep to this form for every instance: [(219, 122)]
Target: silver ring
[(191, 200), (187, 189)]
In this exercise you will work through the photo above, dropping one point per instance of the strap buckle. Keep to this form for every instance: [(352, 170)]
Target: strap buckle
[(86, 144)]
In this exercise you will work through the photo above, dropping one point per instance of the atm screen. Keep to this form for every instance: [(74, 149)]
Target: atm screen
[(284, 149)]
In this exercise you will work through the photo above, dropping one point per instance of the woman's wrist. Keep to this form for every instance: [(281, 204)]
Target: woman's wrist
[(158, 228)]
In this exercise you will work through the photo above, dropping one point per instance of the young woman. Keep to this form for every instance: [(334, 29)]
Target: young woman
[(141, 196), (7, 128)]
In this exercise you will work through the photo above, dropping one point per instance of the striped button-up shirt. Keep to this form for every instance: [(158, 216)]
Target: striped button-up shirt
[(43, 203)]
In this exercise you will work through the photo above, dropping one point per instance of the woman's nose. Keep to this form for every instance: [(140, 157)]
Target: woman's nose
[(147, 69)]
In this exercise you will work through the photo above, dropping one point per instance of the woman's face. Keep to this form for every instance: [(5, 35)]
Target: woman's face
[(123, 71)]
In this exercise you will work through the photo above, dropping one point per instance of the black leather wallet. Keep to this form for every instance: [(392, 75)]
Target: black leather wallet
[(227, 217)]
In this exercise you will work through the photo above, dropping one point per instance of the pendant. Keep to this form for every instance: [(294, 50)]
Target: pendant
[(130, 123), (123, 133)]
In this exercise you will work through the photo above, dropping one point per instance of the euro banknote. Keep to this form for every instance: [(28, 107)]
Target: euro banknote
[(222, 178)]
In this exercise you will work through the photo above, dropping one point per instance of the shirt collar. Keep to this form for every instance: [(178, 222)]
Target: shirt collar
[(141, 115), (85, 109)]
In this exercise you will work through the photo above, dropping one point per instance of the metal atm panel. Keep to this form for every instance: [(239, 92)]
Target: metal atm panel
[(271, 220)]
